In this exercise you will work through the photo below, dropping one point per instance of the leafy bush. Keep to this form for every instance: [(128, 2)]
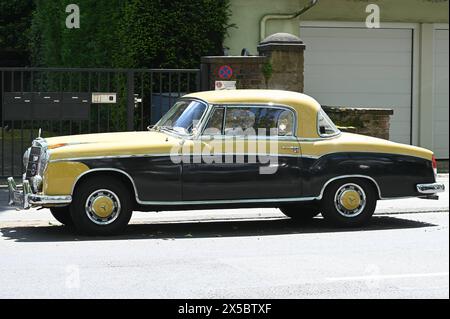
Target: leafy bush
[(135, 33), (15, 20)]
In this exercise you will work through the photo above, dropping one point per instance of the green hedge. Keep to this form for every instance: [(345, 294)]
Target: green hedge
[(15, 20), (134, 33)]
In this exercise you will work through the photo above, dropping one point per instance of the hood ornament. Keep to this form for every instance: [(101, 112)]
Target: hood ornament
[(39, 132)]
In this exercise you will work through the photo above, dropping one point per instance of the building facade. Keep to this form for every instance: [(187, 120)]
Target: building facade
[(401, 64)]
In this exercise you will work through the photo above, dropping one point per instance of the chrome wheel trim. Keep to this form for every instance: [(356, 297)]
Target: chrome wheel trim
[(338, 200), (91, 213)]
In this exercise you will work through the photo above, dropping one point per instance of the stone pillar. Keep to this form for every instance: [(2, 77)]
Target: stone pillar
[(285, 67)]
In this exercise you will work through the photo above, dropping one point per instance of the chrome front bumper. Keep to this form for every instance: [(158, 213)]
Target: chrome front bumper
[(22, 197), (431, 188)]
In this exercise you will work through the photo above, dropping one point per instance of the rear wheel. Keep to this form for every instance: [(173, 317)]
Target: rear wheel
[(301, 212), (101, 206), (349, 202), (62, 214)]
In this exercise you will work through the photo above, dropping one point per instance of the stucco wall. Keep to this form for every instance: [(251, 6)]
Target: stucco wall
[(248, 13)]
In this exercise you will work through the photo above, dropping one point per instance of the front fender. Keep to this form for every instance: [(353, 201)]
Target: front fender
[(60, 177)]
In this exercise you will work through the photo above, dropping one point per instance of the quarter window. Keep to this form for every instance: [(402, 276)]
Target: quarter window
[(325, 125)]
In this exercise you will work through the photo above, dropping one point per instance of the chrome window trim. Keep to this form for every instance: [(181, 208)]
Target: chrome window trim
[(200, 121), (318, 129), (256, 104)]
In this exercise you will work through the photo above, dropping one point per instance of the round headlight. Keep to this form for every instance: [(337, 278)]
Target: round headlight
[(26, 156)]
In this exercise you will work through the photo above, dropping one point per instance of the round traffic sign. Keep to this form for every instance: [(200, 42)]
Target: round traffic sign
[(225, 72)]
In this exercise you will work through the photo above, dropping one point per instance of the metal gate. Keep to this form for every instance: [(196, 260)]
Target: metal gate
[(60, 101)]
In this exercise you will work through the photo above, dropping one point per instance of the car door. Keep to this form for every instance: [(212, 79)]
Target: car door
[(247, 152)]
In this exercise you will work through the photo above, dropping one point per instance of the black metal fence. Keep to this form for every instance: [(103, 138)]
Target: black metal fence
[(59, 102)]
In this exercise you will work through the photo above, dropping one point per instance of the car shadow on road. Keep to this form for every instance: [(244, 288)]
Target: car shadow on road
[(204, 229)]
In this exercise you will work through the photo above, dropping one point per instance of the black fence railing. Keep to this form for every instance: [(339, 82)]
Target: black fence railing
[(59, 102)]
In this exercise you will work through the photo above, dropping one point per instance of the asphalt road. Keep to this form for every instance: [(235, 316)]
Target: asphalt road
[(251, 253)]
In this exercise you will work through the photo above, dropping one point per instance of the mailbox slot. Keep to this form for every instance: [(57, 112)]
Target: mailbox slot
[(76, 106), (46, 106), (18, 106)]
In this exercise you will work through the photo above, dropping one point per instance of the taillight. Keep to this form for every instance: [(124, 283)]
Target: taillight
[(434, 164)]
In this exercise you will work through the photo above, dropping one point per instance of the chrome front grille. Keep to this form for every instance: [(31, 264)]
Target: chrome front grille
[(34, 158), (35, 161)]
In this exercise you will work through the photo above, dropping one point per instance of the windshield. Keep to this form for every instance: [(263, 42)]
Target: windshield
[(183, 117)]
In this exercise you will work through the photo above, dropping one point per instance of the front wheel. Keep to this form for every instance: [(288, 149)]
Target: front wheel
[(62, 214), (349, 202), (101, 206)]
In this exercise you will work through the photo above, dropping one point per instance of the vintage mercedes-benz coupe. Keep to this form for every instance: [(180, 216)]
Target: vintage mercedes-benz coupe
[(223, 149)]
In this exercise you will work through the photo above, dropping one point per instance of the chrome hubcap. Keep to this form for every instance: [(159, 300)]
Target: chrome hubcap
[(102, 207), (350, 200)]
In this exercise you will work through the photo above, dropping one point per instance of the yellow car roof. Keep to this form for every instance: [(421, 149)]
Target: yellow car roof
[(300, 102)]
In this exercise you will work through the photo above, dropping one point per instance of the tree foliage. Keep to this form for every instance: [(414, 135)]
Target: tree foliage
[(53, 44), (171, 33), (133, 33), (15, 20)]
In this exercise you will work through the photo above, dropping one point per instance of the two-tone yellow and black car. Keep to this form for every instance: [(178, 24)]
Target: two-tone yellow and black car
[(223, 149)]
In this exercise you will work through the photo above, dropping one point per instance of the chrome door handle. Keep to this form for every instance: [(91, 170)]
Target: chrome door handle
[(295, 149)]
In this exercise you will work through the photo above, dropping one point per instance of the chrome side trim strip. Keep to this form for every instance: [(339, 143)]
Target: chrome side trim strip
[(349, 176), (291, 199), (106, 156), (172, 155), (229, 201), (271, 200), (106, 170)]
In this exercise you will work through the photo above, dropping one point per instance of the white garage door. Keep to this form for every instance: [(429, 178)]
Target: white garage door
[(441, 94), (361, 67)]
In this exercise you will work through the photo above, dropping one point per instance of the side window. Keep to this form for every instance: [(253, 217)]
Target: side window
[(240, 121), (215, 124), (285, 123), (251, 121)]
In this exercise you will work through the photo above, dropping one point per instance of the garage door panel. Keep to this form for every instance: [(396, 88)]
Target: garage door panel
[(440, 126), (361, 67), (365, 45), (440, 98), (361, 99), (340, 85), (441, 84), (392, 59), (441, 112), (354, 72)]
